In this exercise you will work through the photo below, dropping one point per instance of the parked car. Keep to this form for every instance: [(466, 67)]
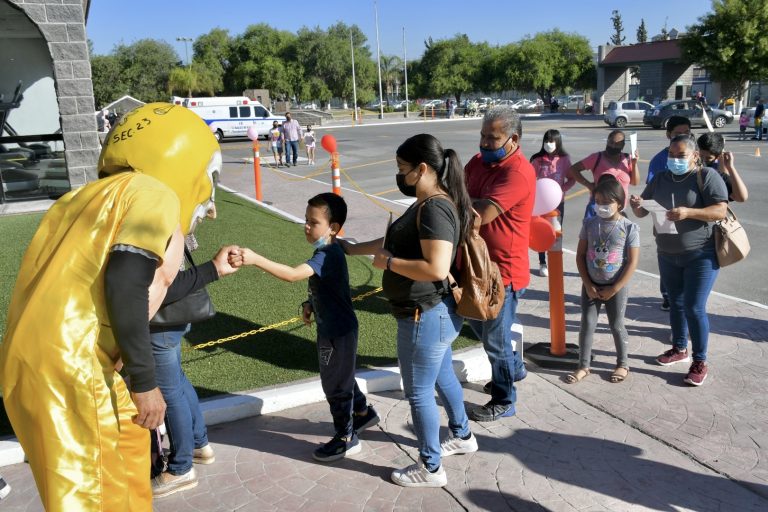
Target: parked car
[(622, 113), (659, 115), (433, 104), (399, 104), (309, 106), (525, 104)]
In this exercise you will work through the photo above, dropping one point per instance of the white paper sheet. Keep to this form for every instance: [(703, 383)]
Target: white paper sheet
[(707, 121), (633, 143), (659, 214)]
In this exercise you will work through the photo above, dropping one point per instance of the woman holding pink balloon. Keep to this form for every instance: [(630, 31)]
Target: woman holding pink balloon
[(552, 162)]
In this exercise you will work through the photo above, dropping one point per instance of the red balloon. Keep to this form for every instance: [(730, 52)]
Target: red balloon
[(542, 234), (329, 143)]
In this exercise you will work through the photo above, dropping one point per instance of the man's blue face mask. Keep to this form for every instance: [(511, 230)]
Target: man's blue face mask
[(494, 155)]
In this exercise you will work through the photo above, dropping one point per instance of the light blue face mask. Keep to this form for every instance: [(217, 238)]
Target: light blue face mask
[(320, 242), (677, 166), (494, 155)]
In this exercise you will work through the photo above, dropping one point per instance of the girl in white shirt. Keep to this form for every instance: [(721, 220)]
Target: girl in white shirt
[(309, 142)]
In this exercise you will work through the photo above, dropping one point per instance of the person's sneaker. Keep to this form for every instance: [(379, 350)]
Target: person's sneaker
[(492, 412), (361, 422), (673, 356), (166, 483), (543, 271), (665, 304), (5, 488), (697, 374), (417, 475), (337, 448), (203, 455), (456, 445)]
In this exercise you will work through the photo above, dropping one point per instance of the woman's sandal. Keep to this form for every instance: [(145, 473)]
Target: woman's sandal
[(619, 374), (577, 376)]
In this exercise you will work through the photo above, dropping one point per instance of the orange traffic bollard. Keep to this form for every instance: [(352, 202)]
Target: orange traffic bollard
[(336, 173), (556, 289), (257, 169)]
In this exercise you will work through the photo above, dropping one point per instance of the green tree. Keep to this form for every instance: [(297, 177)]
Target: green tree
[(391, 71), (107, 77), (642, 33), (545, 63), (211, 59), (451, 66), (618, 28), (145, 66), (182, 80), (261, 58), (730, 44)]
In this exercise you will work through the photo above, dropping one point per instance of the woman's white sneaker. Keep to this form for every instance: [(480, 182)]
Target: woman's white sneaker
[(418, 476), (456, 445)]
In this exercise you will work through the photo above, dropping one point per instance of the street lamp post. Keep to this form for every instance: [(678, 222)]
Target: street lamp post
[(354, 86), (378, 62), (405, 73), (186, 41)]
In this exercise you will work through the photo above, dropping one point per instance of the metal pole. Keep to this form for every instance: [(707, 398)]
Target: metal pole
[(354, 85), (186, 41), (378, 61), (405, 71)]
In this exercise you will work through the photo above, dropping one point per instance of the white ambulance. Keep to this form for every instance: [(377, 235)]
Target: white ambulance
[(231, 116)]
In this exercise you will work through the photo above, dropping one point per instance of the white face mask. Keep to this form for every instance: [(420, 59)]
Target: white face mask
[(550, 147), (606, 211)]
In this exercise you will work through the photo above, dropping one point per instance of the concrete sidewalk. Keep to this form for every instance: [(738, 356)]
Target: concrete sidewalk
[(649, 443)]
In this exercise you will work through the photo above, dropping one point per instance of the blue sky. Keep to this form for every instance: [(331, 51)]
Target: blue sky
[(111, 22)]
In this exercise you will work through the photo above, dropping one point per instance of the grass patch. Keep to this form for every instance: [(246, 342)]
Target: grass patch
[(248, 300)]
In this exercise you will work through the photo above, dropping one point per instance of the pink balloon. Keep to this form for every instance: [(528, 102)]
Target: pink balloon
[(548, 196), (253, 133)]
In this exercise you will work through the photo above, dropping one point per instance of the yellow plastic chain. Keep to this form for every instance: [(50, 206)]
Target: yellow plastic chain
[(272, 326)]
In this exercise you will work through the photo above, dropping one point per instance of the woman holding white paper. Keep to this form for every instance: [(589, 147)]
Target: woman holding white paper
[(695, 197)]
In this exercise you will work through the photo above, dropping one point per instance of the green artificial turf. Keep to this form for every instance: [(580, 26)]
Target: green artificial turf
[(248, 300)]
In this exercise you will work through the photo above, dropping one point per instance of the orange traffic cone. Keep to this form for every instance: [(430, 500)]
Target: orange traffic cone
[(757, 152)]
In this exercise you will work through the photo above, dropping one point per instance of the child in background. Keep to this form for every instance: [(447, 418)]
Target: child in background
[(713, 154), (276, 143), (607, 256), (552, 162), (330, 301), (743, 122), (309, 142)]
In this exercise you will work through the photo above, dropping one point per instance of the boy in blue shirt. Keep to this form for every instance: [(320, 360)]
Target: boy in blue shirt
[(330, 301)]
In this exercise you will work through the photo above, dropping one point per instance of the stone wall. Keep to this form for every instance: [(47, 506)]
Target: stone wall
[(62, 23)]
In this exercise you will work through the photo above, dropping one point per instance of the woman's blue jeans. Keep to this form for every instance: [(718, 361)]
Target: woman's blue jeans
[(688, 279), (183, 418), (424, 352)]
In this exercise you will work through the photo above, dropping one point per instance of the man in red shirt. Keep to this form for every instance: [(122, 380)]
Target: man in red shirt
[(502, 184)]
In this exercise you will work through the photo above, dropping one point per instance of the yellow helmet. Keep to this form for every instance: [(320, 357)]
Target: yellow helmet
[(172, 144)]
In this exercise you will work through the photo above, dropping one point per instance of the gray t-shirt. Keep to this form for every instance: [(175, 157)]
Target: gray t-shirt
[(691, 234), (608, 244)]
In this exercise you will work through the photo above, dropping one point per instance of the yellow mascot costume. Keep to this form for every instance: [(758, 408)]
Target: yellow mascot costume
[(69, 408)]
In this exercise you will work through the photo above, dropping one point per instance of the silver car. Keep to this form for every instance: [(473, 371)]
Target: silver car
[(622, 113)]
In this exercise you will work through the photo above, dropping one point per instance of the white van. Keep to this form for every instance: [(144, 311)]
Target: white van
[(232, 116)]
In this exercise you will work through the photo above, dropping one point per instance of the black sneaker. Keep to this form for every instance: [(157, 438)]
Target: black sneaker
[(337, 448), (492, 412), (364, 421), (665, 304)]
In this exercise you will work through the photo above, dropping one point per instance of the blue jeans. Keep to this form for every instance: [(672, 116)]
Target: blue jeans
[(424, 352), (689, 278), (496, 336), (183, 417), (291, 146)]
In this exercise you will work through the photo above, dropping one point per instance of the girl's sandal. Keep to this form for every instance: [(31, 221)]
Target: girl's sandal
[(619, 374), (577, 376)]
